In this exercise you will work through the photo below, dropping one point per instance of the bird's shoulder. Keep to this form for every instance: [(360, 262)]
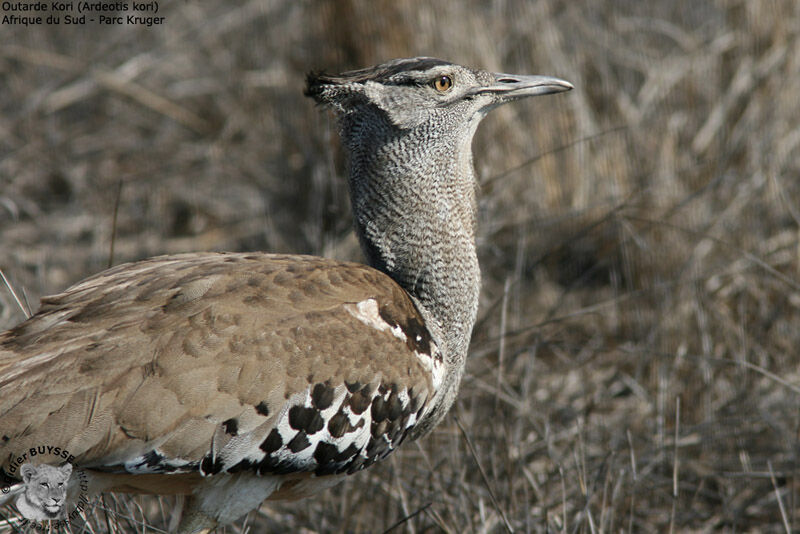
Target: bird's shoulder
[(149, 295)]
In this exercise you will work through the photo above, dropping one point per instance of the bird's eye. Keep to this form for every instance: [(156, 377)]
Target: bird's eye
[(442, 83)]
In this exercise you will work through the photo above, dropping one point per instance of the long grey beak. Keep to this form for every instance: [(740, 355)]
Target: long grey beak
[(513, 86)]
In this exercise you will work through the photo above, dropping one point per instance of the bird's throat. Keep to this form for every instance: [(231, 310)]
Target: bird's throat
[(415, 217)]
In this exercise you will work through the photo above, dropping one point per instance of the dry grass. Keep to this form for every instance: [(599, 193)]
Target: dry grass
[(635, 365)]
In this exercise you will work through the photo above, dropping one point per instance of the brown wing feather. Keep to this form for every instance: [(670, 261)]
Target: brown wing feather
[(196, 361)]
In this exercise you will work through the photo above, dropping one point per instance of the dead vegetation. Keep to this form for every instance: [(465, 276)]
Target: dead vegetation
[(635, 365)]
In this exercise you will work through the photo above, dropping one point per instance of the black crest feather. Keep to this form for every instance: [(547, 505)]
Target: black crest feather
[(317, 81)]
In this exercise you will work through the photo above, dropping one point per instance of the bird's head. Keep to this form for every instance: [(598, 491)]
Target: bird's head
[(418, 91)]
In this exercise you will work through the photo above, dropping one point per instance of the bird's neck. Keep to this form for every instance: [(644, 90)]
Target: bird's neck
[(413, 196)]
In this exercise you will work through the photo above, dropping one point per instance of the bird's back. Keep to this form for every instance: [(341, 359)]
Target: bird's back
[(216, 363)]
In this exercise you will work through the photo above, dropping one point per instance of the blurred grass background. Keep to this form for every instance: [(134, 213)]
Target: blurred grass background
[(634, 368)]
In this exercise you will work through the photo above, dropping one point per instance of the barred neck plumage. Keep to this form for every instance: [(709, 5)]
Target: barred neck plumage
[(413, 198)]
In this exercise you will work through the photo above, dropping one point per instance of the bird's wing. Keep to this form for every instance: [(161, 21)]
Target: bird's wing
[(218, 363)]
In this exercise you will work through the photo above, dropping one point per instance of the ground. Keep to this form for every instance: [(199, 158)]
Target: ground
[(634, 367)]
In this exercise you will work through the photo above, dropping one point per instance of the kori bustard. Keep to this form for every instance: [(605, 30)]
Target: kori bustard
[(234, 378)]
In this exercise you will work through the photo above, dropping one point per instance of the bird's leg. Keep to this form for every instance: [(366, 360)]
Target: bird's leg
[(194, 520)]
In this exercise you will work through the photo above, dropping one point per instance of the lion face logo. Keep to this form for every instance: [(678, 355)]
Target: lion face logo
[(45, 491)]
